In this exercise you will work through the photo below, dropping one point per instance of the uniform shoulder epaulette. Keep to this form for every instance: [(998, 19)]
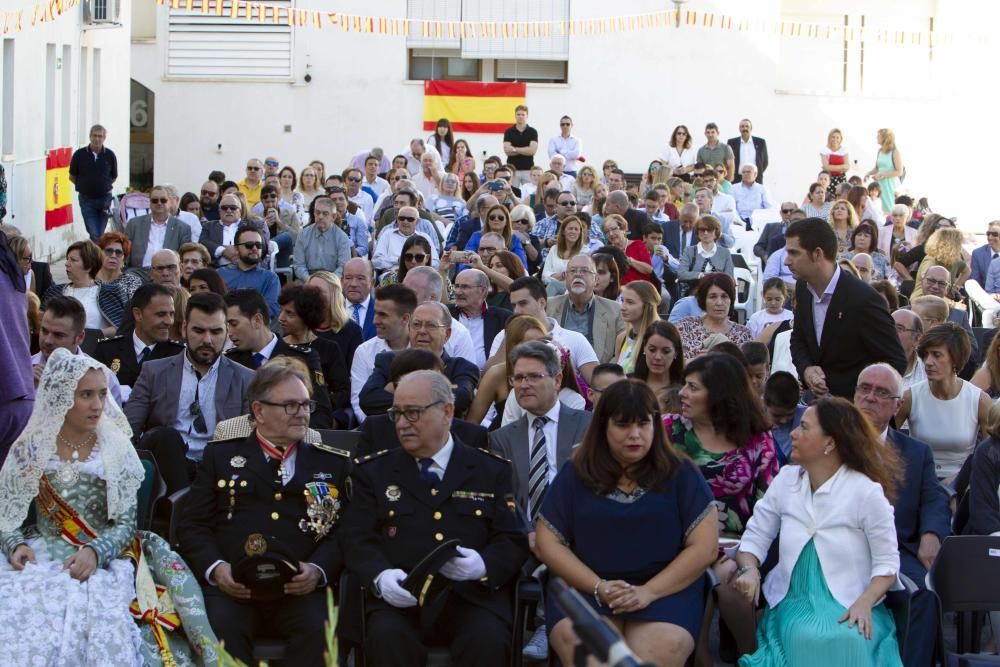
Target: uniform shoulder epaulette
[(493, 454), (332, 450), (231, 351), (109, 338), (365, 459)]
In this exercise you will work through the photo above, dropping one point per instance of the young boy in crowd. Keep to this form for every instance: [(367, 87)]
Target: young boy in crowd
[(758, 364), (781, 400)]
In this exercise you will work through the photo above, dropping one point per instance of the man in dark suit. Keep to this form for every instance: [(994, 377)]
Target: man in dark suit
[(841, 324), (254, 343), (746, 146), (42, 274), (981, 256), (679, 234), (773, 231), (430, 328), (541, 441), (378, 432), (169, 233), (219, 236), (153, 315), (921, 506), (357, 283), (470, 309), (407, 501), (177, 401), (272, 496)]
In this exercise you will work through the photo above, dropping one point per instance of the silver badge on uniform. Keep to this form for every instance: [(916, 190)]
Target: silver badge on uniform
[(393, 493), (237, 462)]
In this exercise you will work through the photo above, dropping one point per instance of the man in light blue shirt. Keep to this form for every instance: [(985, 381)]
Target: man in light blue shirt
[(246, 271), (749, 194), (322, 246)]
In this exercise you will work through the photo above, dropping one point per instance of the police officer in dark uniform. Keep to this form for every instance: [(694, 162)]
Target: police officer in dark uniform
[(259, 523), (408, 500), (254, 343), (153, 314)]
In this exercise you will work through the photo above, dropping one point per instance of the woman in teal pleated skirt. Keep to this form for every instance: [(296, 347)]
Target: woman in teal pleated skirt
[(838, 555)]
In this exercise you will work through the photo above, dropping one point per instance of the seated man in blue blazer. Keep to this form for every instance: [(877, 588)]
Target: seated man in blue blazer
[(984, 254), (921, 506), (378, 432)]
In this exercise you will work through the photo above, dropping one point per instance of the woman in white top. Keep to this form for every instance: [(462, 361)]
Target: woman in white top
[(834, 160), (945, 411), (679, 153), (890, 236), (309, 185), (570, 242), (837, 551)]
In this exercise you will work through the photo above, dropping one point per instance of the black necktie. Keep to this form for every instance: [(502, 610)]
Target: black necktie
[(426, 474), (142, 355)]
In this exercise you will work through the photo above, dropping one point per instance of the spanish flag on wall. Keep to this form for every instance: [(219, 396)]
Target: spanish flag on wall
[(58, 189), (472, 106)]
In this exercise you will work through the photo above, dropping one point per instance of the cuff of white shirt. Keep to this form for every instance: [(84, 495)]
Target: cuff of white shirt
[(218, 251), (211, 568), (322, 574)]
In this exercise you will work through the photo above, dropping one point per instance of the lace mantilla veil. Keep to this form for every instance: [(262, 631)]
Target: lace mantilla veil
[(35, 446)]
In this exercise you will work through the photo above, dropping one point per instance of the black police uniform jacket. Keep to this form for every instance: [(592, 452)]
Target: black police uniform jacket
[(323, 416), (118, 354), (395, 520), (237, 493)]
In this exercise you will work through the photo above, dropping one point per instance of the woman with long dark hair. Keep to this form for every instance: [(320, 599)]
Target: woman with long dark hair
[(624, 480), (660, 360), (837, 555), (443, 140)]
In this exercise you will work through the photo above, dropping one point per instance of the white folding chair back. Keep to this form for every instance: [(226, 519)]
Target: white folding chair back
[(980, 298), (746, 293)]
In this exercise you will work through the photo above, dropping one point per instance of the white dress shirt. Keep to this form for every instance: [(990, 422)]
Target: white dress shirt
[(390, 245), (361, 369), (460, 342), (581, 352), (849, 520), (569, 147), (440, 459), (157, 233), (748, 152), (512, 411), (362, 311), (365, 203), (205, 388), (119, 393), (228, 239), (475, 328), (821, 304)]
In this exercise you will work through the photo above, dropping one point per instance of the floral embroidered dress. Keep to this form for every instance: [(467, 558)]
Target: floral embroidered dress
[(737, 479), (693, 334)]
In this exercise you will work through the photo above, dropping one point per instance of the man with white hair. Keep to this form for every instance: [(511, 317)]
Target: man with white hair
[(865, 266), (749, 195), (165, 269), (910, 328), (390, 241), (157, 230), (920, 509), (470, 311), (557, 165)]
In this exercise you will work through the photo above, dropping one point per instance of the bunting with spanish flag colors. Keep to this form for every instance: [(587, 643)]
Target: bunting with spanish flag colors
[(472, 106), (58, 188)]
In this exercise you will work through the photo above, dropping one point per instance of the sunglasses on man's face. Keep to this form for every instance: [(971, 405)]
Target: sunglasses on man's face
[(251, 168), (250, 245), (353, 179), (228, 207), (405, 218), (209, 193), (158, 200)]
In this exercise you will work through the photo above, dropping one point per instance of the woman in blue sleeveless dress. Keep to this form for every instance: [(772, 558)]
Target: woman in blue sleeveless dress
[(837, 553), (632, 526), (888, 169)]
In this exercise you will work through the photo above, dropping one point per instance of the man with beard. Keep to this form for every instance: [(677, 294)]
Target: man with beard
[(579, 309), (209, 200), (177, 401), (246, 271)]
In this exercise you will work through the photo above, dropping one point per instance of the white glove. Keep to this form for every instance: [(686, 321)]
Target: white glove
[(387, 583), (467, 566)]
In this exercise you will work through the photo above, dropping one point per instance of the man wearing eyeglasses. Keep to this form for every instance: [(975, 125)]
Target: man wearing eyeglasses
[(483, 322), (566, 145), (921, 511), (409, 500), (986, 254), (257, 497), (250, 186), (177, 401), (910, 328), (165, 268), (246, 272), (254, 344), (219, 236), (209, 200), (155, 231), (429, 329), (772, 236), (937, 282), (390, 241), (540, 441), (323, 245), (93, 169), (598, 319)]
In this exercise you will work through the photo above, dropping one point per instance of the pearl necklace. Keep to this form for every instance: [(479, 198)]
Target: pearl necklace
[(75, 448)]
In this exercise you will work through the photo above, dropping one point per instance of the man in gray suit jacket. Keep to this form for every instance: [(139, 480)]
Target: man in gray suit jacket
[(598, 319), (540, 442), (177, 401), (157, 231)]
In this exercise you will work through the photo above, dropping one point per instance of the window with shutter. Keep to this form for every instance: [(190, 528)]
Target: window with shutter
[(553, 47), (210, 45)]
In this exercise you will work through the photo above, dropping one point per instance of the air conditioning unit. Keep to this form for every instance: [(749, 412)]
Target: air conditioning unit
[(97, 12)]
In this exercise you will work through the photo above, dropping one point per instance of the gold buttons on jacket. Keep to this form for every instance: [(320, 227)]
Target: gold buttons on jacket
[(222, 483), (277, 496), (479, 512), (243, 484), (274, 515), (439, 537), (437, 516), (392, 512)]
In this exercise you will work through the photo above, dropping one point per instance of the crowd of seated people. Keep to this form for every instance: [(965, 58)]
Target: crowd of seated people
[(548, 376)]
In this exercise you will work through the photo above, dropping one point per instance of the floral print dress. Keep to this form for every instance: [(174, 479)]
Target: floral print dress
[(737, 479)]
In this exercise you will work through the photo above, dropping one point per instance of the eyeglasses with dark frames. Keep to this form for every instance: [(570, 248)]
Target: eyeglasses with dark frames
[(293, 408), (229, 207), (406, 218), (114, 252), (252, 168), (412, 414), (250, 245), (158, 200)]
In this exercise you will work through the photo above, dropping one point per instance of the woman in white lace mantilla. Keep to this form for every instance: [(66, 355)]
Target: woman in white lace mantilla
[(68, 494)]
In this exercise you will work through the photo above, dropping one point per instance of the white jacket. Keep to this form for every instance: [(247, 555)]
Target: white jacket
[(848, 518)]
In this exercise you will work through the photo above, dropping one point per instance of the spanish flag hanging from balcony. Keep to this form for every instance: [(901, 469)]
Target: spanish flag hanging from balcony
[(58, 189), (472, 106)]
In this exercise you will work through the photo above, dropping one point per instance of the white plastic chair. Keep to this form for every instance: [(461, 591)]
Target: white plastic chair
[(980, 298), (748, 304)]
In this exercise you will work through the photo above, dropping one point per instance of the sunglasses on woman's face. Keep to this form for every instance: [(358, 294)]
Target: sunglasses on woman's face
[(418, 257), (498, 218), (114, 252)]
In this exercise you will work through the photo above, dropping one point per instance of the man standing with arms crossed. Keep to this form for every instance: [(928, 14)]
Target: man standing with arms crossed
[(94, 169), (520, 142)]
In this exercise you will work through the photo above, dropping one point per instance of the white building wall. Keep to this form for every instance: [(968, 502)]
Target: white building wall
[(626, 92), (97, 70)]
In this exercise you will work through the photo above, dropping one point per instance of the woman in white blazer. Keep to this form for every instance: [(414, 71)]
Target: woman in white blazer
[(837, 553)]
